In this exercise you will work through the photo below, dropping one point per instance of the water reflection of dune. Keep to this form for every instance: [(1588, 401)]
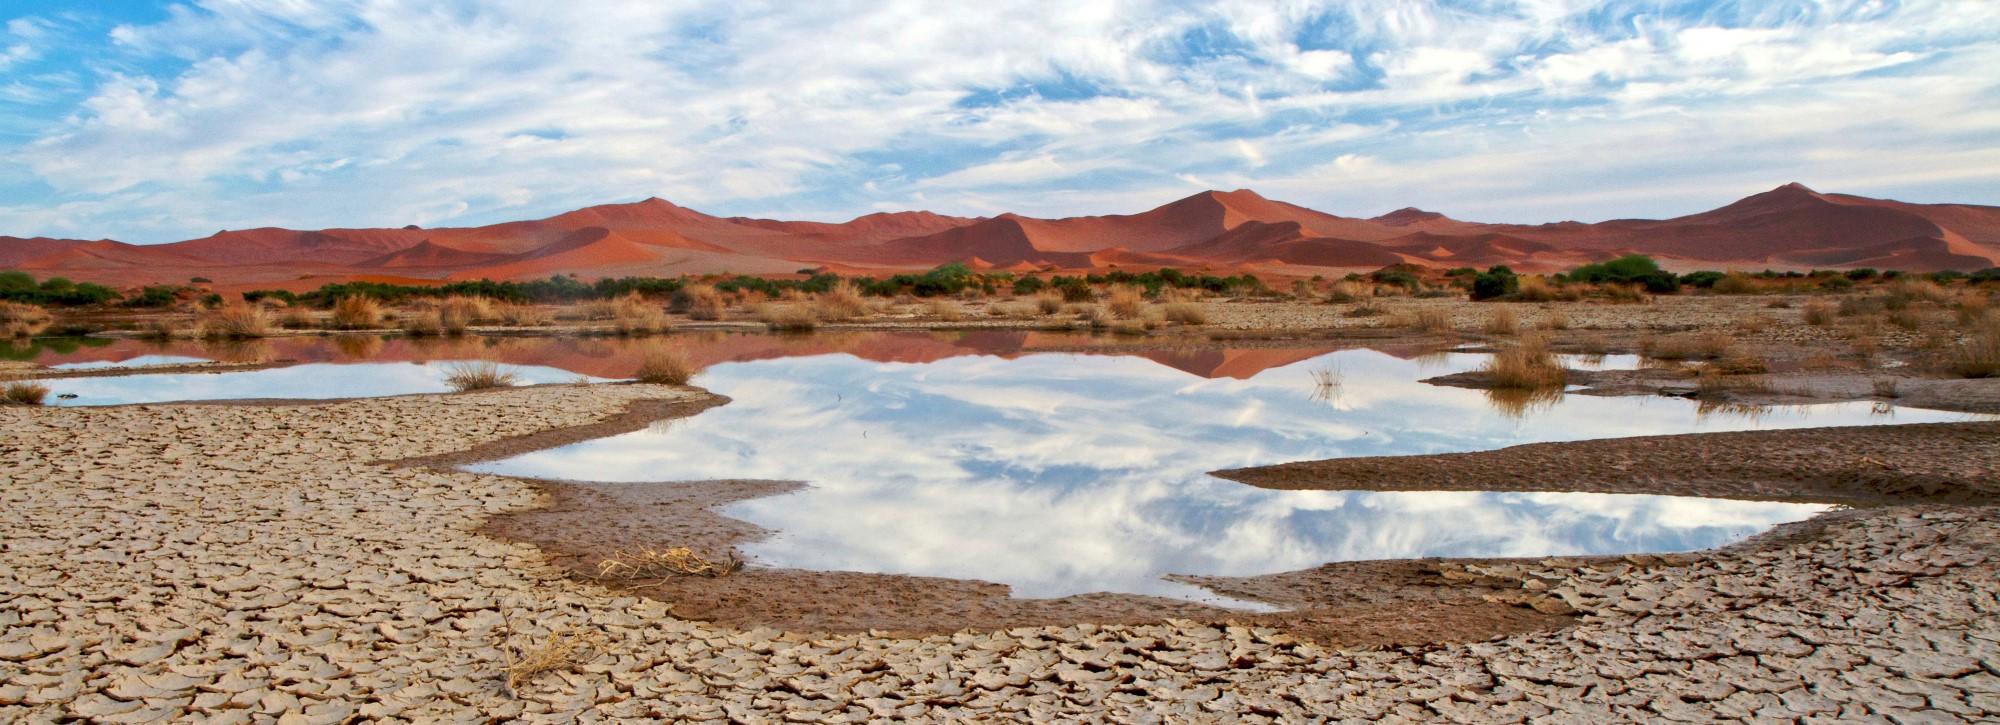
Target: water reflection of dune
[(618, 357)]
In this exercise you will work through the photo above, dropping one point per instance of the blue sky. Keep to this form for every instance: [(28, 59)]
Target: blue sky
[(152, 122)]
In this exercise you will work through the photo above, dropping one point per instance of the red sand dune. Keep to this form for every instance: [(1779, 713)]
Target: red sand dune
[(1788, 227)]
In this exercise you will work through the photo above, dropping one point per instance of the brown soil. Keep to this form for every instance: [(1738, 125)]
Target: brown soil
[(1863, 465)]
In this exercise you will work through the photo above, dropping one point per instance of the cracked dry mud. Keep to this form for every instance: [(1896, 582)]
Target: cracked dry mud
[(240, 564)]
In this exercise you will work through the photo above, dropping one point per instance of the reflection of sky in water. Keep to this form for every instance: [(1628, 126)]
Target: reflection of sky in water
[(306, 382), (136, 362), (1065, 474)]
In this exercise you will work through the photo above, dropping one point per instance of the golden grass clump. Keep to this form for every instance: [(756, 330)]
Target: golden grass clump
[(422, 323), (477, 375), (561, 651), (1527, 365), (1978, 355), (235, 321), (665, 365), (458, 312), (1820, 313), (1539, 289), (1124, 301), (1048, 302), (945, 310), (698, 302), (840, 303), (1185, 313), (1349, 291), (357, 312), (1688, 346), (297, 318), (647, 563), (1555, 320), (1736, 283), (520, 315), (22, 320), (1741, 364), (635, 315), (24, 393), (1904, 291), (790, 317), (1972, 307), (160, 328), (1427, 320), (1503, 321)]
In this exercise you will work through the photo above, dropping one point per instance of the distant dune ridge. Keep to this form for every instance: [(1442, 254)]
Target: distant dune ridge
[(1787, 227)]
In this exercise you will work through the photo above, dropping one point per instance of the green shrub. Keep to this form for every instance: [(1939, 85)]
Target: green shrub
[(1495, 283)]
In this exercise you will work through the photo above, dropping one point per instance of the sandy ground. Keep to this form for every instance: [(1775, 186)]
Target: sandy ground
[(245, 563)]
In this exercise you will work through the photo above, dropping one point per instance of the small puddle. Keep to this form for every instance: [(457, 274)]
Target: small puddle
[(314, 381), (1061, 474)]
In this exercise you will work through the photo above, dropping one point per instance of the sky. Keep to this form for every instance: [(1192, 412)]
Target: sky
[(153, 122)]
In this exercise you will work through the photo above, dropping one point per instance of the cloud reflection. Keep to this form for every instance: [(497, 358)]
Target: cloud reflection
[(1067, 474)]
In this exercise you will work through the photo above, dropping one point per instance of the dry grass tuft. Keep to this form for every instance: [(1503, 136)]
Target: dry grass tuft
[(477, 375), (646, 563), (1427, 320), (698, 302), (1049, 302), (1185, 313), (160, 328), (458, 312), (1741, 364), (1904, 291), (1555, 320), (1885, 388), (1688, 346), (791, 317), (297, 318), (19, 320), (635, 315), (1539, 289), (422, 323), (1124, 302), (561, 651), (1503, 321), (665, 365), (357, 312), (945, 310), (1978, 355), (1736, 283), (1820, 313), (520, 315), (24, 393), (840, 303), (1326, 383), (1349, 291), (235, 321), (1528, 365)]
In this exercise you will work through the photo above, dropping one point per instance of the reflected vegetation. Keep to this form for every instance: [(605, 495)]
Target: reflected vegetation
[(312, 381), (1062, 474)]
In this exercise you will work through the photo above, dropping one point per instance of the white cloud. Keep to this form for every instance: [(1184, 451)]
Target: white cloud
[(320, 113)]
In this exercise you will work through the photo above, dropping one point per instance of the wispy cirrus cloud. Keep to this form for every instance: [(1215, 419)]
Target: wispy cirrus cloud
[(174, 122)]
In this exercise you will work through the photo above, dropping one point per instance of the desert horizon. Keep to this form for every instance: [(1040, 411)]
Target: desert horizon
[(1157, 361)]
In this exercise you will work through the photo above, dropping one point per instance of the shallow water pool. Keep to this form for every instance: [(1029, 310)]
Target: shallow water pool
[(1061, 474), (316, 381)]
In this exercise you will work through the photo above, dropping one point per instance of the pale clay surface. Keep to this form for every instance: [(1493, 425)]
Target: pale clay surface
[(239, 564)]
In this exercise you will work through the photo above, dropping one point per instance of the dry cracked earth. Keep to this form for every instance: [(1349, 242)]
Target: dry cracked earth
[(247, 564)]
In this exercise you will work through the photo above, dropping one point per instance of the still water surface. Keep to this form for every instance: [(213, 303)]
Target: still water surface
[(1062, 474)]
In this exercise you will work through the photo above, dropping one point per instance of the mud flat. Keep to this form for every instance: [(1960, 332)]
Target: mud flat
[(240, 563)]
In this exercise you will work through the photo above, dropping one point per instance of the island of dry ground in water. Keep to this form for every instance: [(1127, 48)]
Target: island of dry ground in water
[(322, 563)]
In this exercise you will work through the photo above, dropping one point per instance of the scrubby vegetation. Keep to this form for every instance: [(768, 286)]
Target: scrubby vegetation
[(19, 320), (24, 393), (787, 317), (477, 375), (663, 364), (1527, 365), (21, 287), (356, 312), (635, 315), (235, 321), (698, 302)]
